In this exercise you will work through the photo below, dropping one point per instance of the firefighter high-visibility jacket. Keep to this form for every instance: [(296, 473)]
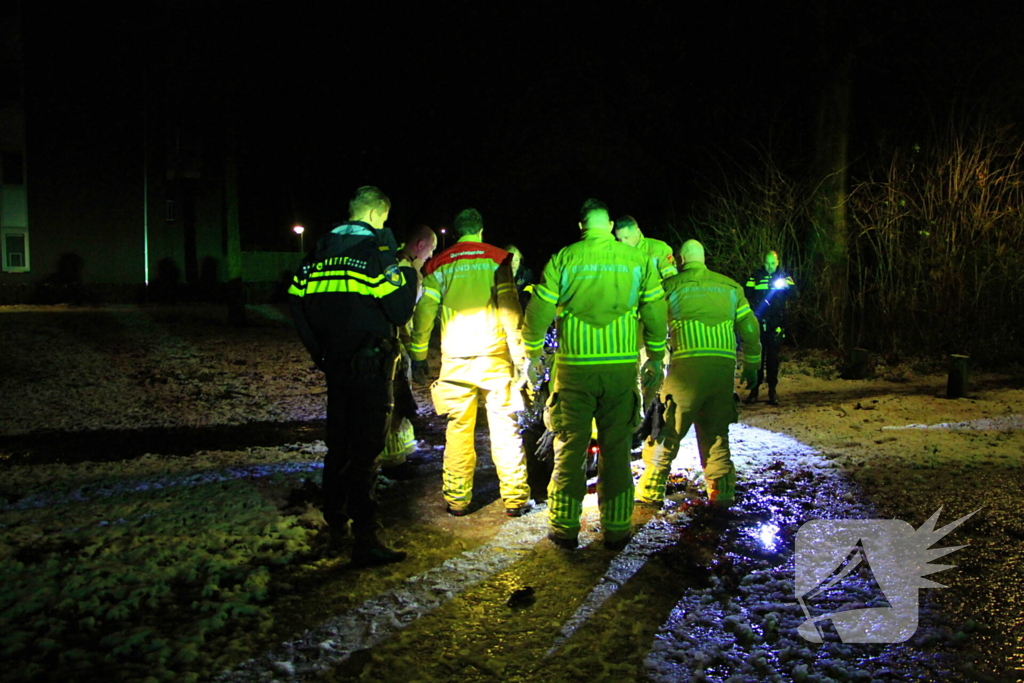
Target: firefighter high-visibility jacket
[(349, 291), (661, 253), (706, 312), (597, 287), (471, 283)]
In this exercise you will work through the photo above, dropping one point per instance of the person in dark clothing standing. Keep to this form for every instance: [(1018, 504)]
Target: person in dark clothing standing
[(767, 290), (347, 299), (522, 275)]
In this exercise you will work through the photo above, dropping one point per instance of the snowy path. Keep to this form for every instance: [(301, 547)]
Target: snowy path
[(740, 627)]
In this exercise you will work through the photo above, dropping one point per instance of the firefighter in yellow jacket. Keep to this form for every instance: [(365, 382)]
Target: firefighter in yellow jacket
[(597, 288), (706, 311), (628, 232), (471, 282)]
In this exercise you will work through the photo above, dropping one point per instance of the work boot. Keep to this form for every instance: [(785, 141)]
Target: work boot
[(368, 551), (339, 538), (456, 512), (752, 396), (617, 543), (564, 542), (773, 397), (403, 472), (519, 510)]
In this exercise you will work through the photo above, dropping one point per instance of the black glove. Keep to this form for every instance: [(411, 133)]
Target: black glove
[(419, 372), (653, 421), (545, 446)]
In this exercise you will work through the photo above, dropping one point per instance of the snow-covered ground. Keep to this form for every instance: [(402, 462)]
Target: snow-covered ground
[(210, 565)]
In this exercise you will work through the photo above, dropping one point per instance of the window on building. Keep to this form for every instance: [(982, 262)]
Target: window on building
[(13, 168), (15, 250)]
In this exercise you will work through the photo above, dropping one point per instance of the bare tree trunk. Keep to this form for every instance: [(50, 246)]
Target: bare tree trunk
[(829, 235), (232, 238)]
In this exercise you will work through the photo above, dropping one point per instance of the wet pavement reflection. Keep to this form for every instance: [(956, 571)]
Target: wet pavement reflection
[(696, 595)]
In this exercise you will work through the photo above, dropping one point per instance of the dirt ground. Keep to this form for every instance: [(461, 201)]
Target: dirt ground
[(905, 449), (912, 451)]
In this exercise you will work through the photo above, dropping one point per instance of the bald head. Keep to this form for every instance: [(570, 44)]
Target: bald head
[(421, 243), (692, 250)]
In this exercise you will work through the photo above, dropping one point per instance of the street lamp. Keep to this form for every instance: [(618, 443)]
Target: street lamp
[(298, 231)]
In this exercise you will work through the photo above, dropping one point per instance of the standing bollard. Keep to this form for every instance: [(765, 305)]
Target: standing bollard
[(956, 387), (858, 365)]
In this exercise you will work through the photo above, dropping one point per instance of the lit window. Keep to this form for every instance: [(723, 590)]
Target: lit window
[(15, 250)]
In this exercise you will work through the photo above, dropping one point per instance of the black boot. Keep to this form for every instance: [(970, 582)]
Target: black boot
[(773, 397), (752, 396), (368, 551)]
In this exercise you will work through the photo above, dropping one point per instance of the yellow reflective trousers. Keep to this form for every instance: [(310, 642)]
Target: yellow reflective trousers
[(697, 391), (399, 443), (607, 394), (463, 382)]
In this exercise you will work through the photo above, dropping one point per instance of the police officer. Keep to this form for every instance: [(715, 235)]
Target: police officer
[(597, 288), (347, 299), (481, 348), (706, 310), (767, 290)]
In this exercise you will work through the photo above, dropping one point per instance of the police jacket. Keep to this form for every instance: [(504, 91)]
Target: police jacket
[(767, 300), (597, 288), (706, 312), (350, 292), (471, 284)]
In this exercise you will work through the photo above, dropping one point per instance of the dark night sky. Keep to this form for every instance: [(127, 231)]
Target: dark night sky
[(522, 113)]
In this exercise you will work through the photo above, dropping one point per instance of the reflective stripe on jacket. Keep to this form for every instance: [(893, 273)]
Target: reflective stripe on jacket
[(706, 310), (661, 253), (471, 284), (768, 300), (597, 287), (350, 290)]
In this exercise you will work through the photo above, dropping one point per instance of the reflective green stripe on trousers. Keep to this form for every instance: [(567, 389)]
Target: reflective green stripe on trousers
[(697, 391), (608, 395)]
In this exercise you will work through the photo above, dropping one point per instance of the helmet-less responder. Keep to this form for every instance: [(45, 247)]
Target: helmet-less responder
[(348, 297), (471, 283), (768, 289), (706, 310), (596, 288)]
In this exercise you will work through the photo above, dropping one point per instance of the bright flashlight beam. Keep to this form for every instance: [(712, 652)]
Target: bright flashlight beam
[(780, 283)]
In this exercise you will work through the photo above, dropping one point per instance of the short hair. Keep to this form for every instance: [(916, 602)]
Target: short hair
[(469, 222), (366, 199), (772, 252), (420, 232), (513, 249), (590, 206), (627, 222)]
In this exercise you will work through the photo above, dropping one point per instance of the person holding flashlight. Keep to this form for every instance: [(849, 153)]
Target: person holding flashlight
[(768, 289)]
